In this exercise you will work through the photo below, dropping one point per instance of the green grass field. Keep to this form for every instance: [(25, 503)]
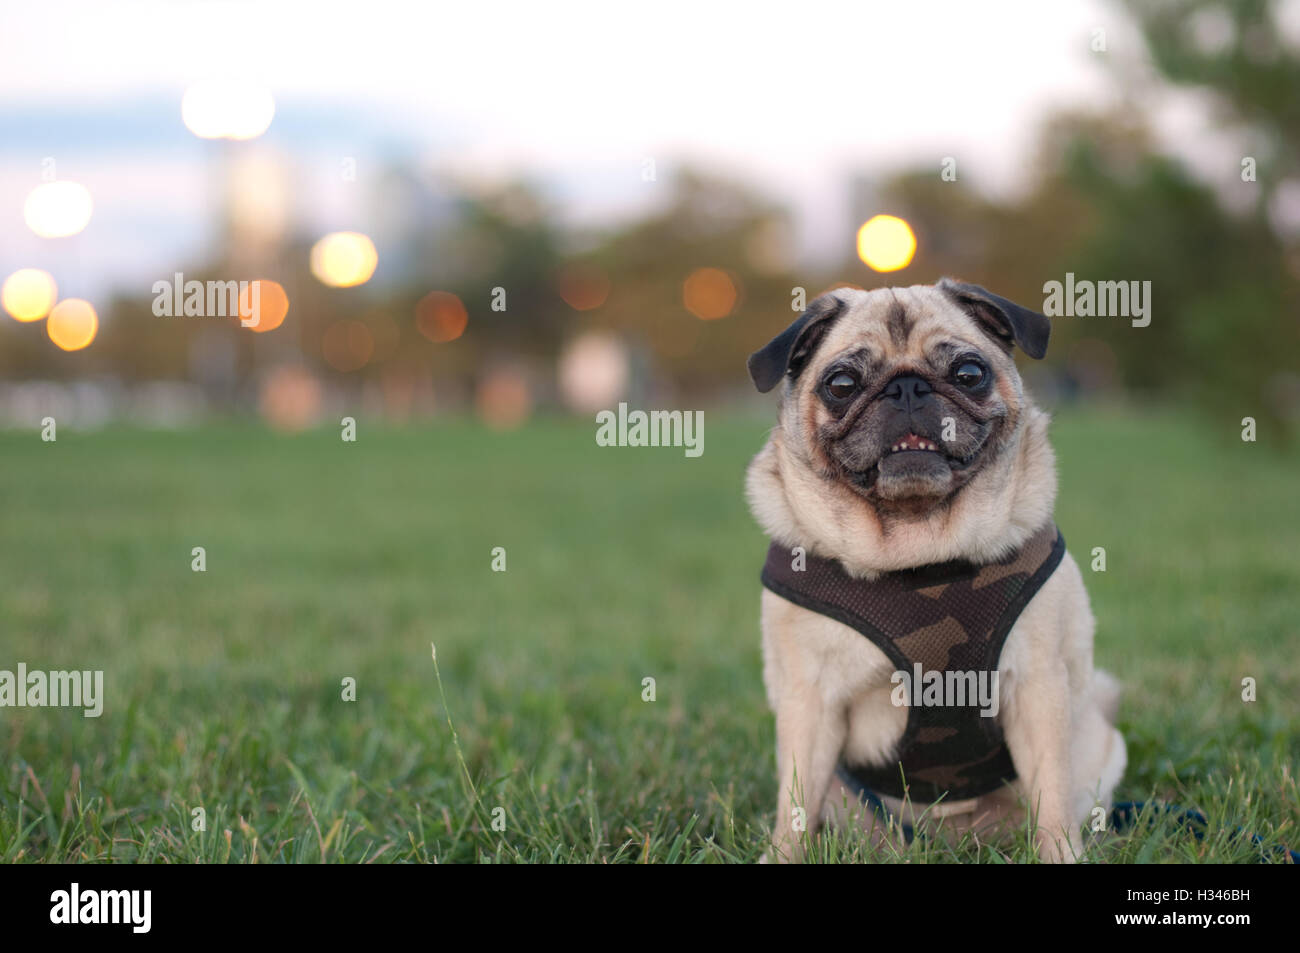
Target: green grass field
[(328, 560)]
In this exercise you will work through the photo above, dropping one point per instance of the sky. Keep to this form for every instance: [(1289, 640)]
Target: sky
[(795, 98)]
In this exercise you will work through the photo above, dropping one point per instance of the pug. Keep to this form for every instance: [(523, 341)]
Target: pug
[(927, 641)]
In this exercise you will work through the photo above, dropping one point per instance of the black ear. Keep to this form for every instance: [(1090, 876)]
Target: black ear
[(1005, 320), (789, 351)]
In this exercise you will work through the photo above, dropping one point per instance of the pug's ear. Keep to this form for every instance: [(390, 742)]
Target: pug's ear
[(790, 350), (1006, 321)]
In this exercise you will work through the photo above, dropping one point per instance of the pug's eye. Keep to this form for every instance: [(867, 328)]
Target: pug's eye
[(968, 374), (842, 385)]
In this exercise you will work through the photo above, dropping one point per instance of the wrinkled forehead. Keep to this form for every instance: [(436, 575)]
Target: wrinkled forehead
[(898, 324)]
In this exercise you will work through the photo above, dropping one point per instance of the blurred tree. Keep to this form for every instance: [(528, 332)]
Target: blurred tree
[(706, 223), (1103, 204), (1236, 51), (1221, 297), (1230, 281), (1106, 206)]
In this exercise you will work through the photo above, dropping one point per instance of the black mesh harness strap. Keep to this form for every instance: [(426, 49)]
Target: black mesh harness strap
[(946, 618)]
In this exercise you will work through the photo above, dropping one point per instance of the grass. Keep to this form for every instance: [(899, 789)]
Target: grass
[(328, 560)]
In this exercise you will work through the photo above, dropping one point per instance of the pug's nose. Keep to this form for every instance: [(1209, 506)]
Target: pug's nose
[(908, 392)]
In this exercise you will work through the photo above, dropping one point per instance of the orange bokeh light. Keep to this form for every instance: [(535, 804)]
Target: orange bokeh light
[(503, 399), (72, 324), (709, 293), (272, 305), (347, 345), (583, 287), (440, 316), (290, 398)]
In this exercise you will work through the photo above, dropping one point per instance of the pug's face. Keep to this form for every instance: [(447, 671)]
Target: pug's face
[(903, 395)]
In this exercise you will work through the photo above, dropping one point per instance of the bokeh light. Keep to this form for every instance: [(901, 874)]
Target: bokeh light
[(583, 287), (593, 372), (709, 293), (344, 259), (29, 294), (347, 345), (227, 109), (290, 398), (440, 316), (259, 196), (503, 399), (72, 324), (886, 243), (58, 209), (272, 305)]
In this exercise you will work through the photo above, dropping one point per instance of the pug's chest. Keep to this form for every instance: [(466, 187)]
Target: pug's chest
[(912, 657), (918, 719)]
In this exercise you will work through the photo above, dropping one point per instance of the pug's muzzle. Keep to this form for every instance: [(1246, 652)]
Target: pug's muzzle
[(892, 444)]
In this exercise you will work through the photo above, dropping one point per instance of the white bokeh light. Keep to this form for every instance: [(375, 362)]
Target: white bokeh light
[(227, 109), (58, 209), (593, 372)]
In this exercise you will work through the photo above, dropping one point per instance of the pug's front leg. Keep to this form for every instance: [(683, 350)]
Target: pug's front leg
[(1039, 741), (810, 736)]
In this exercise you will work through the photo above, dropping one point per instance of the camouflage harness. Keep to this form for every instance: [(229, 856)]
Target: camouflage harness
[(946, 618)]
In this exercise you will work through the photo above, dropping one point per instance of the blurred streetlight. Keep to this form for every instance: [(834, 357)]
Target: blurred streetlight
[(886, 243), (58, 209), (709, 293), (270, 302), (503, 399), (344, 259), (227, 109), (441, 316), (583, 287), (347, 345), (290, 398), (72, 324), (593, 371), (29, 294)]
